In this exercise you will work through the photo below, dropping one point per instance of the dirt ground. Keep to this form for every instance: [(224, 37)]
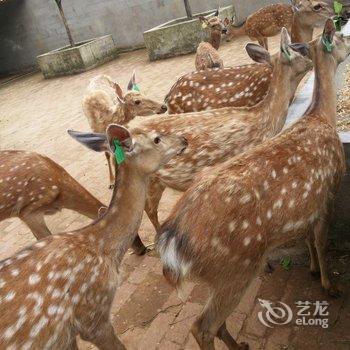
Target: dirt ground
[(35, 114)]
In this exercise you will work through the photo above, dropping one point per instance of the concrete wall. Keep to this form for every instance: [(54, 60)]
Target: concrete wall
[(32, 27)]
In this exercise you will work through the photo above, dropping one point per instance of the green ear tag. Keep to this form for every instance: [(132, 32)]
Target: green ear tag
[(327, 46), (286, 54), (337, 7), (118, 153), (135, 87)]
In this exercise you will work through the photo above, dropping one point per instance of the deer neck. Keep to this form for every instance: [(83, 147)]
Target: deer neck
[(215, 39), (324, 101), (300, 33), (275, 106), (116, 230), (122, 113), (236, 32)]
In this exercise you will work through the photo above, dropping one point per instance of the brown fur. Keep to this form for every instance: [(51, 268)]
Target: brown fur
[(217, 135), (32, 186), (207, 55), (64, 285), (234, 214), (102, 107), (197, 91), (269, 20)]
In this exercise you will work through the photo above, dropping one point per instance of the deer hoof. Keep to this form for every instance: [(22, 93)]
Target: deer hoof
[(334, 292), (243, 346), (315, 274), (269, 268)]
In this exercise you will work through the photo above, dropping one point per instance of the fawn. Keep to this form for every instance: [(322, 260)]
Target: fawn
[(301, 17), (217, 135), (104, 104), (64, 284), (32, 186), (223, 227), (207, 55)]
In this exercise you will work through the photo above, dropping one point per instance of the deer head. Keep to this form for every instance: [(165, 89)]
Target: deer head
[(215, 24), (312, 13), (332, 43), (146, 151), (136, 104)]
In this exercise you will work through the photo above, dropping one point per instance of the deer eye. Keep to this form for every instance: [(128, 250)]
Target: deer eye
[(317, 7), (137, 102), (157, 140)]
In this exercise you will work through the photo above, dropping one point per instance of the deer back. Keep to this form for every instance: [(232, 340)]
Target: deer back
[(217, 88)]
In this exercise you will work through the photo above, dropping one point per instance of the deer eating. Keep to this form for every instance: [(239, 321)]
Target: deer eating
[(32, 186), (234, 214), (64, 284), (217, 135)]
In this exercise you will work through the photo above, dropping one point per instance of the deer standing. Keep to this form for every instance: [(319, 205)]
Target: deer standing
[(218, 88), (104, 104), (223, 227), (301, 17), (32, 186), (64, 285), (207, 55), (217, 135)]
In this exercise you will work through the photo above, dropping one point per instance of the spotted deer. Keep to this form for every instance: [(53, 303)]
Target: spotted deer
[(64, 285), (301, 17), (223, 227), (32, 186), (207, 55), (105, 103), (217, 135), (218, 88)]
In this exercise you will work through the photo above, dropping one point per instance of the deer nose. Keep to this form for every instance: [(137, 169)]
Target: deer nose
[(224, 31), (164, 108)]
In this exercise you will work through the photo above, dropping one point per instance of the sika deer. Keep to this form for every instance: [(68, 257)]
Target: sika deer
[(301, 17), (217, 135), (222, 228), (64, 285), (207, 55), (105, 103), (32, 186)]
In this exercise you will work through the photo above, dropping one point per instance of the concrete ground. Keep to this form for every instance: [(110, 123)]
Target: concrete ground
[(147, 314)]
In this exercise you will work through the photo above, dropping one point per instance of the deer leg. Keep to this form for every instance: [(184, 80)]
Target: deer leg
[(36, 223), (104, 338), (320, 232), (211, 322), (110, 170), (314, 267), (154, 195)]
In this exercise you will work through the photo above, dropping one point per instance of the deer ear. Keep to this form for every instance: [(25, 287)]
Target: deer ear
[(285, 39), (328, 34), (257, 53), (119, 92), (94, 141), (132, 81), (302, 48), (121, 134)]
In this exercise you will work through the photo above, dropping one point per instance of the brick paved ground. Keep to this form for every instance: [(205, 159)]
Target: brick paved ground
[(147, 313)]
